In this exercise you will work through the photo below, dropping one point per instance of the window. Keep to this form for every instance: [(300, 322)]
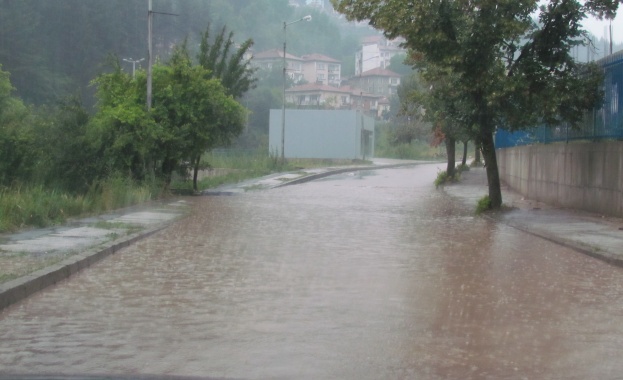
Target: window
[(320, 66)]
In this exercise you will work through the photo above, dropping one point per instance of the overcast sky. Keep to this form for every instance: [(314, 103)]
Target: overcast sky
[(596, 27)]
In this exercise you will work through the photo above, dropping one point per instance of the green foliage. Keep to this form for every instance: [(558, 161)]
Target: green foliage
[(65, 158), (483, 205), (462, 168), (191, 113), (39, 206), (16, 135), (234, 71), (403, 140), (443, 178)]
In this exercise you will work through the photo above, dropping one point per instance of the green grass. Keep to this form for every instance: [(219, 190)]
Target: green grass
[(443, 178), (483, 205), (36, 206)]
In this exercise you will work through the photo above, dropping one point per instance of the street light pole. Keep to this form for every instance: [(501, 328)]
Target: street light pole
[(134, 62), (283, 107)]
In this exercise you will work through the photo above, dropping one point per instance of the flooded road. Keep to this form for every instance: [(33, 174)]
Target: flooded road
[(362, 276)]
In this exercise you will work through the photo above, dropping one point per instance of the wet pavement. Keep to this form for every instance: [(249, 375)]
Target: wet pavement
[(363, 275)]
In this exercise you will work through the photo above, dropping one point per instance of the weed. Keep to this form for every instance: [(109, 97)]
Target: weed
[(483, 205), (443, 178), (462, 168)]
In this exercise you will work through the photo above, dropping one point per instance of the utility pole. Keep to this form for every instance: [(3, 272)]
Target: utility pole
[(283, 108), (150, 62), (150, 55)]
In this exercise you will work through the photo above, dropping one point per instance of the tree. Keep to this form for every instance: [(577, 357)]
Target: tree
[(506, 68), (231, 67), (65, 158), (15, 135), (199, 109), (122, 131), (192, 112)]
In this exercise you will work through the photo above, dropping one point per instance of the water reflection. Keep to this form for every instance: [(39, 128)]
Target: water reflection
[(379, 277)]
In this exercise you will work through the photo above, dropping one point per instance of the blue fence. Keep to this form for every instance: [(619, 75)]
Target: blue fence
[(599, 124)]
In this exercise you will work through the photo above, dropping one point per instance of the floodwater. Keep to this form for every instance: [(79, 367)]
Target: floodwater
[(373, 276)]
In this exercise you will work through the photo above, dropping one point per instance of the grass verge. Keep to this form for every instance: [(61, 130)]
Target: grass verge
[(37, 206)]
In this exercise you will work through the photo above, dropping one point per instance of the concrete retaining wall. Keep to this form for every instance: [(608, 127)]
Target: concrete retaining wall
[(581, 175)]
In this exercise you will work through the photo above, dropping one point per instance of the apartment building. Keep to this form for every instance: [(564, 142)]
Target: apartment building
[(266, 60), (377, 81), (318, 68), (312, 68)]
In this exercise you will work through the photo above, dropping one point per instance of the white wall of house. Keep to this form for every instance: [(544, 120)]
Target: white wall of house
[(333, 134)]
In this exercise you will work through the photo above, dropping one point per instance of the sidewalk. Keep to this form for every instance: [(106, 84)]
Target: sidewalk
[(34, 259), (595, 235), (31, 260)]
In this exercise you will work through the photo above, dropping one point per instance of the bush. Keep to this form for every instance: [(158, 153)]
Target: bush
[(483, 205), (462, 168), (443, 178)]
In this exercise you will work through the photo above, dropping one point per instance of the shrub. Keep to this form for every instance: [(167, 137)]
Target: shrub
[(443, 178), (483, 205)]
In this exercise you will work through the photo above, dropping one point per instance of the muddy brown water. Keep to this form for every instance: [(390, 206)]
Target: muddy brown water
[(359, 276)]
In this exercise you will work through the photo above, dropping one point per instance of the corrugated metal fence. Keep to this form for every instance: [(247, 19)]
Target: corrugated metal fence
[(600, 124)]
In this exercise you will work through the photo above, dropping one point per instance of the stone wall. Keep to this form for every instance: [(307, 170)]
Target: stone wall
[(580, 175)]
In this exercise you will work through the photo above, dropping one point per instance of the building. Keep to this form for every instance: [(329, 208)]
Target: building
[(312, 68), (266, 60), (328, 97), (318, 68), (335, 134), (377, 81), (376, 52)]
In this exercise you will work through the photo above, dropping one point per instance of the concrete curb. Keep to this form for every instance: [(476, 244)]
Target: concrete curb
[(329, 173), (16, 290), (578, 247)]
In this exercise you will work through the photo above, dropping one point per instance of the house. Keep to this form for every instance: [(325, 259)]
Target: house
[(266, 60), (313, 68), (329, 97), (318, 68), (377, 81), (376, 52)]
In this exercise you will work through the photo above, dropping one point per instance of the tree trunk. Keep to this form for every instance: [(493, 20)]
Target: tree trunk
[(477, 160), (196, 162), (167, 172), (451, 152), (493, 175), (464, 161)]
